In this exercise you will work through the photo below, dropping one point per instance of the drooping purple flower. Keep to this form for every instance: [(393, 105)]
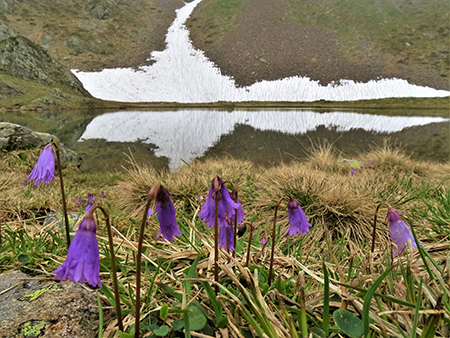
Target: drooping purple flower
[(223, 238), (149, 212), (240, 212), (90, 203), (353, 172), (165, 211), (263, 240), (79, 201), (44, 170), (102, 194), (225, 207), (297, 219), (22, 185), (82, 262), (399, 231)]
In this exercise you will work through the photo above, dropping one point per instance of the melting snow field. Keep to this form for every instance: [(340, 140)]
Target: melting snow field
[(183, 74), (183, 135)]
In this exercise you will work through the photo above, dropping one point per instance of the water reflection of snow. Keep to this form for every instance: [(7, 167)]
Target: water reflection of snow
[(186, 134), (183, 74)]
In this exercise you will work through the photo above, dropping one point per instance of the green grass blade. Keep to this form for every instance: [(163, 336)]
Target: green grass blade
[(326, 300), (100, 317), (368, 301), (416, 310), (422, 255)]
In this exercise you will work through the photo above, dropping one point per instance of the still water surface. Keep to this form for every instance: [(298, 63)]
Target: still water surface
[(170, 138)]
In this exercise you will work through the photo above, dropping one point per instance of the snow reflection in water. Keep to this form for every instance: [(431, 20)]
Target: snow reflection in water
[(186, 134)]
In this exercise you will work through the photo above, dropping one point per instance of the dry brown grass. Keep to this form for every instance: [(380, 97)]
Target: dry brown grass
[(337, 203)]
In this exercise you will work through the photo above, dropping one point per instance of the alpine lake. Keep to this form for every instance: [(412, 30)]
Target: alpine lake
[(169, 138)]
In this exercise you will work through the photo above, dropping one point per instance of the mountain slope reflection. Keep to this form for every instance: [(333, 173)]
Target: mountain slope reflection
[(186, 134)]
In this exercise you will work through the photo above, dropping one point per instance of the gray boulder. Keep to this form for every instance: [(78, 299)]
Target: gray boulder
[(36, 307), (8, 89), (5, 31), (6, 6), (99, 9), (21, 58), (16, 137)]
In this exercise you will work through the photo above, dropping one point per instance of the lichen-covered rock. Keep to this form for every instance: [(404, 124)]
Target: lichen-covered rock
[(57, 217), (15, 137), (36, 307), (6, 6), (5, 31), (21, 58), (8, 89), (99, 9)]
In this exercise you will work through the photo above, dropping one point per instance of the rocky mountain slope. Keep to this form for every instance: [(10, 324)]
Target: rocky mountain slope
[(93, 34), (40, 41)]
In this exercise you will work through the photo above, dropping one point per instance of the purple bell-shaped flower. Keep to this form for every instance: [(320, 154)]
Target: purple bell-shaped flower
[(82, 261), (297, 219), (44, 170)]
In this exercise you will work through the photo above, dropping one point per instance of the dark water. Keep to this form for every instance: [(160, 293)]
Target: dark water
[(257, 136)]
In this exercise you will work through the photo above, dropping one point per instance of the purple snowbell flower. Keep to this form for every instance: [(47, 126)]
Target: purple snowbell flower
[(79, 201), (353, 172), (399, 231), (263, 240), (223, 238), (240, 212), (82, 262), (44, 170), (165, 211), (102, 194), (90, 203), (297, 219), (149, 212), (225, 208)]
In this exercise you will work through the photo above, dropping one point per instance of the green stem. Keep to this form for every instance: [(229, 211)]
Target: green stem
[(234, 231), (216, 241), (249, 243), (113, 267), (66, 219), (138, 268), (375, 224), (273, 241)]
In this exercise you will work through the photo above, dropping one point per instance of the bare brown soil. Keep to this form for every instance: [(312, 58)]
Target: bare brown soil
[(262, 45)]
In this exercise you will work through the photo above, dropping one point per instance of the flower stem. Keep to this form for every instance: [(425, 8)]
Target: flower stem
[(66, 219), (375, 224), (216, 242), (250, 235), (138, 268), (234, 232), (216, 233), (113, 267), (273, 241)]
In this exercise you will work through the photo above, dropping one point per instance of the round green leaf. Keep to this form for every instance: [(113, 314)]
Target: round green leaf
[(24, 258), (318, 332), (178, 324), (162, 331), (350, 324), (164, 312), (126, 335), (197, 319)]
